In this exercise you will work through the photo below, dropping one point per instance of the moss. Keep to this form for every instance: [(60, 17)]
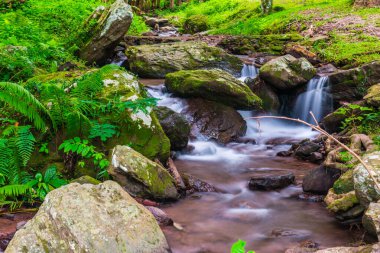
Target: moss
[(195, 24), (344, 202), (345, 183), (86, 180)]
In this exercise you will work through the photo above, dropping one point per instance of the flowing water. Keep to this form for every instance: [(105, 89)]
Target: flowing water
[(269, 221), (250, 71), (316, 99)]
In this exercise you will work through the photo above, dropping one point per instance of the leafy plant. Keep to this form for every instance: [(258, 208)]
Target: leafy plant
[(103, 131), (355, 115), (44, 148), (239, 247), (76, 148)]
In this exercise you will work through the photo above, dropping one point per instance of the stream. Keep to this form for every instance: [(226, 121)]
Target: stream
[(270, 221)]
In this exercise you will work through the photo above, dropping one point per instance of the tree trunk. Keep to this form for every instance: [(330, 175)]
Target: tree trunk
[(171, 4), (367, 3), (266, 6)]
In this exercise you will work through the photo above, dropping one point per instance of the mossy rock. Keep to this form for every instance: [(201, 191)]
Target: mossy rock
[(140, 176), (341, 202), (215, 85), (373, 96), (195, 24), (155, 61), (345, 183), (86, 180)]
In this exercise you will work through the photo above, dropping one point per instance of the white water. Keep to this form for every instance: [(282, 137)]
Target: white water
[(248, 71), (316, 99)]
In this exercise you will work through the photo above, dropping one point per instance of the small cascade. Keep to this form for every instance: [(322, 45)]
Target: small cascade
[(316, 99), (249, 71)]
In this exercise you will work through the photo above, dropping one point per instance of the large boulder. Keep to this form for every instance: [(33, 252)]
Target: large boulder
[(215, 84), (365, 188), (90, 218), (320, 180), (373, 96), (175, 127), (112, 25), (140, 176), (287, 72), (215, 121), (271, 101), (351, 85), (362, 249), (371, 220), (155, 61)]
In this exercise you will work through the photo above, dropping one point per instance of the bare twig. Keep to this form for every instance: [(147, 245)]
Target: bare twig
[(320, 130)]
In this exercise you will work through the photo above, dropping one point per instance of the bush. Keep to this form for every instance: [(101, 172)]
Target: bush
[(195, 24)]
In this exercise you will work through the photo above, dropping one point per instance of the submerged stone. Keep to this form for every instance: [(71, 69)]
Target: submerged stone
[(271, 182)]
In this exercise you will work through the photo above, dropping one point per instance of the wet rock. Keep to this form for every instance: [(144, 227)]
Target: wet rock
[(282, 232), (304, 247), (155, 61), (161, 216), (287, 72), (373, 96), (89, 218), (332, 122), (271, 182), (153, 22), (365, 188), (340, 202), (299, 51), (215, 85), (215, 121), (140, 176), (371, 220), (284, 153), (175, 127), (351, 214), (350, 85), (316, 157), (320, 180), (345, 183), (270, 99), (367, 248), (148, 38), (196, 185), (306, 150), (311, 197), (326, 69), (112, 26)]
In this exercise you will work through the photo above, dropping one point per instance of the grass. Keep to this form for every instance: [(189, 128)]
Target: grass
[(138, 26), (243, 17)]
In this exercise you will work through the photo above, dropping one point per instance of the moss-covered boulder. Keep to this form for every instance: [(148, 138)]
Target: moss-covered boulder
[(215, 85), (175, 127), (86, 180), (340, 202), (140, 176), (271, 101), (371, 220), (112, 25), (195, 24), (352, 84), (90, 218), (345, 183), (373, 96), (155, 61), (365, 188), (287, 72)]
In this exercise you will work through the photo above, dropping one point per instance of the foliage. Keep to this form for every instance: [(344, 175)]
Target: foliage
[(138, 26), (24, 102), (359, 118), (239, 247), (195, 24), (83, 149), (102, 131)]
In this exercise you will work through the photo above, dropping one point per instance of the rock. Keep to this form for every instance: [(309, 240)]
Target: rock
[(367, 3), (373, 96), (153, 22), (175, 126), (299, 51), (316, 157), (320, 180), (112, 26), (326, 69), (90, 218), (311, 197), (215, 85), (196, 185), (287, 72), (86, 180), (155, 61), (367, 248), (332, 122), (371, 220), (282, 232), (270, 99), (271, 182), (351, 85), (306, 149), (20, 224), (195, 24), (365, 189), (140, 176), (215, 121), (284, 153), (148, 39), (340, 202), (352, 213), (161, 217), (345, 183)]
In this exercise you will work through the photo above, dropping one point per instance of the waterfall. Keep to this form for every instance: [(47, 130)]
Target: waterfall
[(248, 71), (316, 99)]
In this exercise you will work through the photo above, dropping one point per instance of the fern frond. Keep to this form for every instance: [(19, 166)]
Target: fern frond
[(24, 141), (25, 103), (15, 190)]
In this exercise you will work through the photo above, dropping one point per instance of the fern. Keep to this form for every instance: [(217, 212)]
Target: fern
[(103, 131), (22, 101), (15, 190)]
